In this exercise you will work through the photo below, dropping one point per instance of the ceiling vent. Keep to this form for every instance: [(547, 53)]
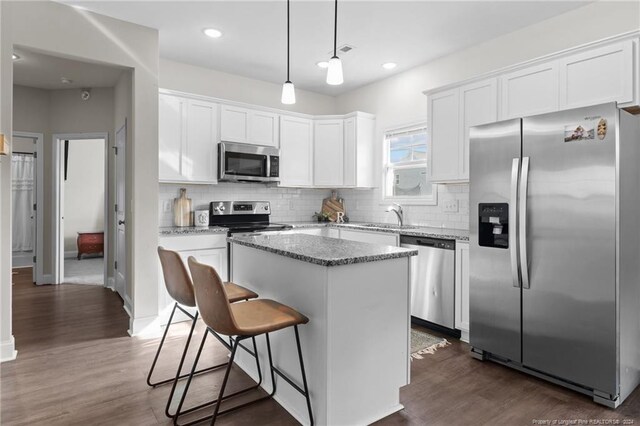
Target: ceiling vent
[(344, 49)]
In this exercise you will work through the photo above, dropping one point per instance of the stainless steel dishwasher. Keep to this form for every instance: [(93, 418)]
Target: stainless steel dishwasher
[(432, 279)]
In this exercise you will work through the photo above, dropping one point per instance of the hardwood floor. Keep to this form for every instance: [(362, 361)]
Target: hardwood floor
[(78, 366)]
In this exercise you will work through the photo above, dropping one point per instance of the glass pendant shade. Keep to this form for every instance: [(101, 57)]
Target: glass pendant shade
[(334, 72), (288, 93)]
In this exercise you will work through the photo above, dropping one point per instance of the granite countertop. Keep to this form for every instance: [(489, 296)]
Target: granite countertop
[(411, 230), (191, 230), (322, 250)]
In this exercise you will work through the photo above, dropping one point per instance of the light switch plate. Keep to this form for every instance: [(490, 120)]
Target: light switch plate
[(166, 206), (450, 206)]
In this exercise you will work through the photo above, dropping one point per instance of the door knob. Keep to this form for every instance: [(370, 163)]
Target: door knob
[(121, 222)]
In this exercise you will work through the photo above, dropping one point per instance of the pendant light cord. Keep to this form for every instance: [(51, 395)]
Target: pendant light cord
[(335, 29), (288, 40)]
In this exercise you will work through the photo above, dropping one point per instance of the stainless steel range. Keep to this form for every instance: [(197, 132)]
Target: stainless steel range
[(243, 217)]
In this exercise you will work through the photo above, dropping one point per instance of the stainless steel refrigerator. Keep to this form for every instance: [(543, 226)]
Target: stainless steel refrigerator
[(555, 248)]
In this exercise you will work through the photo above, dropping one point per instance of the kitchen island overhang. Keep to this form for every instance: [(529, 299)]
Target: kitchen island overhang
[(356, 345)]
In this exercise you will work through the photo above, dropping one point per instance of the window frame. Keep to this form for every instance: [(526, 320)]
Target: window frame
[(428, 200)]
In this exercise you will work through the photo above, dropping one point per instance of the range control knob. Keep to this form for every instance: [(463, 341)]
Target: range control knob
[(266, 207)]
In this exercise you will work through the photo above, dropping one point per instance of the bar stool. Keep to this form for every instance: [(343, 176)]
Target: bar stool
[(180, 288), (243, 320)]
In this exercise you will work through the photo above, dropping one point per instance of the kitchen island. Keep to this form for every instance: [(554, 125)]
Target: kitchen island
[(356, 344)]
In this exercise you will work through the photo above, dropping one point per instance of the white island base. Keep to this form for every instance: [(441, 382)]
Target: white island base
[(356, 344)]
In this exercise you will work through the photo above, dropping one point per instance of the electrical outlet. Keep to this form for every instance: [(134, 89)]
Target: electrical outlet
[(450, 206), (166, 206)]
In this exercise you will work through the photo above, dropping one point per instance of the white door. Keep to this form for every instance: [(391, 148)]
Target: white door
[(296, 151), (121, 242), (34, 213), (328, 148)]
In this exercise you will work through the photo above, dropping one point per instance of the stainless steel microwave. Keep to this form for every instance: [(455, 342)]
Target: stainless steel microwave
[(240, 162)]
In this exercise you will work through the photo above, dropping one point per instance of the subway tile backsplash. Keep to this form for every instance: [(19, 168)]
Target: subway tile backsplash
[(295, 205)]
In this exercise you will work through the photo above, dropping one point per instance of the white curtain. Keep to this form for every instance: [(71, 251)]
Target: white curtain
[(22, 193)]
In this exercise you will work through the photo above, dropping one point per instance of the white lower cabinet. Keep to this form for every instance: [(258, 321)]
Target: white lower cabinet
[(382, 238), (462, 289), (210, 249)]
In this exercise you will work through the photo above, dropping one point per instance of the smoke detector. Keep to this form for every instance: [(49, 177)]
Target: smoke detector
[(85, 94)]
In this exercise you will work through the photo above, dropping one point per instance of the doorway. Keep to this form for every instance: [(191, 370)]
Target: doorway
[(80, 206), (26, 195)]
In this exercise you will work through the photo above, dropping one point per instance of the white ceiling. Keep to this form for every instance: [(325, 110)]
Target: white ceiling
[(254, 33), (42, 71)]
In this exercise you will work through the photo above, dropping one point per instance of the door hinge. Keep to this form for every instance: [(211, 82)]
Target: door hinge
[(34, 259), (35, 155), (115, 150), (115, 208), (115, 265), (35, 206)]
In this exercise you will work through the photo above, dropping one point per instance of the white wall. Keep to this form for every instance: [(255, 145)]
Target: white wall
[(61, 30), (398, 100), (83, 191), (208, 82)]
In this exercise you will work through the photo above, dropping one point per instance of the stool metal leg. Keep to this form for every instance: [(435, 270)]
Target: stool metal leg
[(180, 412), (304, 376), (155, 359), (224, 381)]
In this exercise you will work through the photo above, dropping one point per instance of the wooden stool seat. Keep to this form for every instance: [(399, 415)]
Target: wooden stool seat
[(264, 316)]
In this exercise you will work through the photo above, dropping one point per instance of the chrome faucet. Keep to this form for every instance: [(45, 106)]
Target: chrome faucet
[(397, 209)]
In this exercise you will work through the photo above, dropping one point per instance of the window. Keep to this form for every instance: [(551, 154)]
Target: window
[(406, 177)]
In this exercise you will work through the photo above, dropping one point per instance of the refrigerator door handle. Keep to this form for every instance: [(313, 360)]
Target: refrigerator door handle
[(522, 225), (513, 217)]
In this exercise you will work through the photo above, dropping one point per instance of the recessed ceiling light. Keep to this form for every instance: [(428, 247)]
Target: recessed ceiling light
[(212, 32), (15, 57), (389, 65), (323, 64), (65, 80)]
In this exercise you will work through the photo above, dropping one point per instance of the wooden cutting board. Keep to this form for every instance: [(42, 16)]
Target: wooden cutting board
[(332, 206)]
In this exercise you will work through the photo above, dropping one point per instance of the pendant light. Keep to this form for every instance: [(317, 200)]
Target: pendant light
[(288, 89), (334, 71)]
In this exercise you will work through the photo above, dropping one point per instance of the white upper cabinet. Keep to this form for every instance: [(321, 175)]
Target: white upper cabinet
[(171, 133), (451, 113), (443, 127), (263, 128), (296, 151), (530, 91), (597, 76), (478, 105), (359, 143), (187, 140), (234, 124), (244, 125), (328, 153)]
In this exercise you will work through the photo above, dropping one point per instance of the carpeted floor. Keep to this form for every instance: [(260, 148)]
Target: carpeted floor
[(423, 343), (86, 271)]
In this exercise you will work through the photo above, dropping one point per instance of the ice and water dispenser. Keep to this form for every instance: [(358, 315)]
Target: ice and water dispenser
[(493, 229)]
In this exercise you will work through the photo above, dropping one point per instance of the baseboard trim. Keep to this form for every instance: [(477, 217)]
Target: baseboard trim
[(145, 327), (46, 279), (128, 305), (8, 350), (71, 254), (111, 283)]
